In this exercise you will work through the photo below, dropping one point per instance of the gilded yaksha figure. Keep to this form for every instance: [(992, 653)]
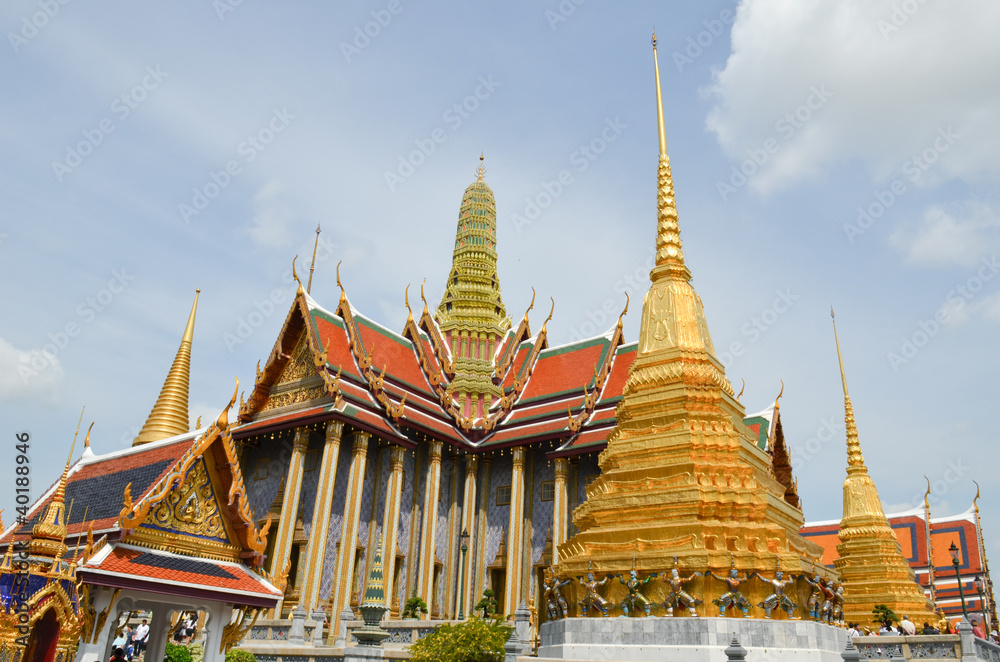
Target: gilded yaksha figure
[(778, 598), (838, 604), (635, 596), (593, 598), (678, 594), (555, 603), (732, 597), (829, 597), (816, 597)]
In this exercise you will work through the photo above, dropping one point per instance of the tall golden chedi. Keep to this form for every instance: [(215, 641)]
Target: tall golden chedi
[(871, 564), (681, 475)]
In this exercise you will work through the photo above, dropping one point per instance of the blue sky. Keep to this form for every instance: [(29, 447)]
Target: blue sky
[(823, 154)]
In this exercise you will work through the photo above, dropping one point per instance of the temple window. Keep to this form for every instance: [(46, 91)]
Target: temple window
[(503, 495), (549, 490)]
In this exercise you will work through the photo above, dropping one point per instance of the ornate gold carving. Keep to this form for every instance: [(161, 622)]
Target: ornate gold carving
[(191, 507), (234, 631)]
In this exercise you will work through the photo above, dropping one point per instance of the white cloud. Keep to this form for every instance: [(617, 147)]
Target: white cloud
[(958, 235), (28, 374), (272, 220), (893, 89)]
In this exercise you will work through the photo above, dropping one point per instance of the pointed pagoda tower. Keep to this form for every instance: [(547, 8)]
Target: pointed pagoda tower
[(871, 564), (472, 316), (681, 476), (169, 416)]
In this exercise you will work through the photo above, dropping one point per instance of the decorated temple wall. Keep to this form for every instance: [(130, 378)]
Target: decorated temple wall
[(380, 468), (497, 517), (406, 505), (263, 469), (336, 520), (442, 537), (310, 480), (364, 520), (541, 511)]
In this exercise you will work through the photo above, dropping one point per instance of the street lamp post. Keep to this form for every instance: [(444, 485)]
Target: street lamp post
[(956, 559), (980, 587), (461, 595)]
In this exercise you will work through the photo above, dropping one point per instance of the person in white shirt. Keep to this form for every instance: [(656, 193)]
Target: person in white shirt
[(141, 637), (909, 629)]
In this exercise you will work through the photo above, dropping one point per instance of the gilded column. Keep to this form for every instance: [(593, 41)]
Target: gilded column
[(515, 531), (343, 580), (481, 560), (468, 525), (289, 509), (559, 508), (390, 521), (313, 569), (432, 489)]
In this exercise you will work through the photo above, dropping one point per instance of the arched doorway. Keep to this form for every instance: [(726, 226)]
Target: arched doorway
[(43, 639)]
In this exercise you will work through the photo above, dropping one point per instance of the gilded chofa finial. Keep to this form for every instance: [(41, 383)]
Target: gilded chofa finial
[(422, 297), (312, 265), (86, 439), (296, 276), (743, 388), (781, 393), (169, 416)]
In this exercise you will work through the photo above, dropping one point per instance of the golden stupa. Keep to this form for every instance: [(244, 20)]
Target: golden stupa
[(871, 564), (681, 475)]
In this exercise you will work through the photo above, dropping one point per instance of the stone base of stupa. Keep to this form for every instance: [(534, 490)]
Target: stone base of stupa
[(682, 639)]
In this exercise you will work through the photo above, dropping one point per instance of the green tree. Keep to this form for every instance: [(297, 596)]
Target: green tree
[(474, 640), (488, 604), (177, 653), (883, 613), (239, 655)]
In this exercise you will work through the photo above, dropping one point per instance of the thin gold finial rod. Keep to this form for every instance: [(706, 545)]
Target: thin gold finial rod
[(481, 170), (659, 102), (313, 264), (840, 358), (73, 446)]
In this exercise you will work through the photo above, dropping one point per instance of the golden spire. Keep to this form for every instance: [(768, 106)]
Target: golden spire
[(669, 254), (169, 416), (871, 564), (855, 460), (481, 170), (49, 535), (313, 264)]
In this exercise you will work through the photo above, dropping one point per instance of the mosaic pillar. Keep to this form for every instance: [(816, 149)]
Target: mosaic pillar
[(344, 579), (425, 584), (390, 521), (289, 509), (469, 525), (313, 569), (515, 531), (560, 506)]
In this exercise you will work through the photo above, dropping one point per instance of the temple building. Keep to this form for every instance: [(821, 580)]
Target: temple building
[(464, 431)]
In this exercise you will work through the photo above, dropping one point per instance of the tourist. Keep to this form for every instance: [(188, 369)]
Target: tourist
[(119, 642), (141, 637), (118, 655), (977, 629), (907, 626), (852, 630), (129, 641), (994, 637), (929, 629), (887, 629)]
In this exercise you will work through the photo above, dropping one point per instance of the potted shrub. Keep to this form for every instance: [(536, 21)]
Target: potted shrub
[(414, 607), (488, 605)]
